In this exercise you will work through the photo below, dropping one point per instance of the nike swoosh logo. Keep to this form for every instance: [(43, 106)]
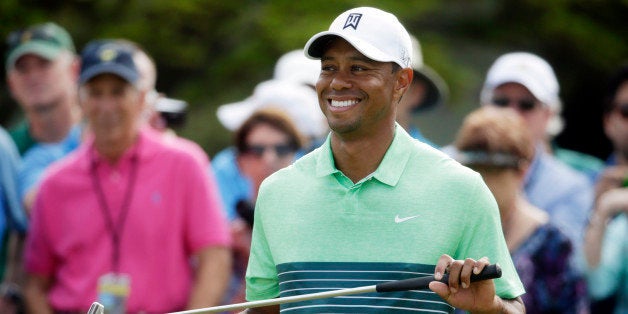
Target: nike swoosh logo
[(400, 220)]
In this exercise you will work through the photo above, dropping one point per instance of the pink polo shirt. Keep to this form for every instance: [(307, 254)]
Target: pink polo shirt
[(174, 212)]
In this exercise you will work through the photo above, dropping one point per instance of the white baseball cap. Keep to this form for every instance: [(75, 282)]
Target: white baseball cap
[(299, 101), (295, 67), (375, 33), (535, 74), (528, 70)]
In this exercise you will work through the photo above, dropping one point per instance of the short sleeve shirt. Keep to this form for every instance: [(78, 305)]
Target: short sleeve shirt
[(174, 212), (316, 230)]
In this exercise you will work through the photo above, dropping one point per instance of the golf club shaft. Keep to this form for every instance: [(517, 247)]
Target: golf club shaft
[(96, 308), (489, 272), (291, 299)]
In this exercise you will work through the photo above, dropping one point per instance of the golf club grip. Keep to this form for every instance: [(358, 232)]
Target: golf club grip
[(489, 272)]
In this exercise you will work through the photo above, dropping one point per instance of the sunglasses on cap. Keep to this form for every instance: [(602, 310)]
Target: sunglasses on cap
[(523, 105), (281, 150), (475, 158), (622, 109)]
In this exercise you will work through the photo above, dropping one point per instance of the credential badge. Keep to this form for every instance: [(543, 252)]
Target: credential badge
[(352, 20)]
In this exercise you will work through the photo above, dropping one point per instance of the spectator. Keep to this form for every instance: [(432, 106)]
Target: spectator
[(12, 220), (330, 215), (99, 219), (606, 239), (496, 143), (527, 83), (11, 214), (156, 104), (296, 100), (42, 73), (427, 91), (266, 142)]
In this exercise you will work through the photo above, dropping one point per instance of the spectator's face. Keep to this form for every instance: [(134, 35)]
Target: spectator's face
[(113, 108), (268, 150), (357, 94), (535, 114), (616, 123), (37, 83)]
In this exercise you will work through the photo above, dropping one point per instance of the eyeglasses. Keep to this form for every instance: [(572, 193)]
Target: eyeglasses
[(523, 105), (281, 150), (622, 109)]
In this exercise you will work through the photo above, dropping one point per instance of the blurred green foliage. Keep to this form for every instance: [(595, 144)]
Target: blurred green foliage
[(211, 52)]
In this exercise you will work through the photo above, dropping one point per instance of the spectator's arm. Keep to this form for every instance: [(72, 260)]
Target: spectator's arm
[(35, 292), (211, 277), (609, 204)]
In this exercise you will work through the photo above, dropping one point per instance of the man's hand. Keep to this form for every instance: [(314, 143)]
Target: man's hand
[(612, 177), (477, 297)]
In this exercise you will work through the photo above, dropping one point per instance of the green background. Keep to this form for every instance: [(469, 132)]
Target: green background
[(213, 52)]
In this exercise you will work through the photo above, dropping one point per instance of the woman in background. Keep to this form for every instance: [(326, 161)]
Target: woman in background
[(266, 142), (496, 143)]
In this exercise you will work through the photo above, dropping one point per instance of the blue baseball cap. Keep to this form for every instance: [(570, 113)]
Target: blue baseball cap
[(108, 56)]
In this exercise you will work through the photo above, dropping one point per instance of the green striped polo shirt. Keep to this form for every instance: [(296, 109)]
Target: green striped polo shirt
[(315, 230)]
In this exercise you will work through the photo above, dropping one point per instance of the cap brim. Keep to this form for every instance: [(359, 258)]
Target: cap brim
[(526, 82), (108, 68), (437, 91), (43, 50), (232, 115), (316, 46)]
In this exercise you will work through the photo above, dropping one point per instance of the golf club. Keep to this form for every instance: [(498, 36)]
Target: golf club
[(489, 272), (96, 308)]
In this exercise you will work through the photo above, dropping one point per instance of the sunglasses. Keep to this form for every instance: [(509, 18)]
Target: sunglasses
[(482, 159), (523, 105), (622, 109), (281, 150)]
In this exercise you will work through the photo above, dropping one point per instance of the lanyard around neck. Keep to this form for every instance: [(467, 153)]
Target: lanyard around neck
[(115, 228)]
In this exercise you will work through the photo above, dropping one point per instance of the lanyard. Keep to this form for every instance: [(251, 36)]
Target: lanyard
[(115, 228)]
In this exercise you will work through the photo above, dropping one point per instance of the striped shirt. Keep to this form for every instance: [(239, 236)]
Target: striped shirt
[(317, 230)]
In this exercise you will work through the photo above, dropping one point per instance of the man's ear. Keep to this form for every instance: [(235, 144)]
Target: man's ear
[(10, 84), (142, 93), (75, 67), (404, 79)]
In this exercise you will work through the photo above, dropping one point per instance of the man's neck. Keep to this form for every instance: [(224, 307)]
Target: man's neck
[(52, 124), (359, 157), (621, 159), (112, 151)]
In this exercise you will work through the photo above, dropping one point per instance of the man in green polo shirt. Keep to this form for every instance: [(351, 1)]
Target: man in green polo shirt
[(372, 204)]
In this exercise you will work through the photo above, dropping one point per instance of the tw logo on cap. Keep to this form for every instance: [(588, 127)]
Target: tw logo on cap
[(353, 20)]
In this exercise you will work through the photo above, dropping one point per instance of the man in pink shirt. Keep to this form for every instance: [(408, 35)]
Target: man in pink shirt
[(126, 220)]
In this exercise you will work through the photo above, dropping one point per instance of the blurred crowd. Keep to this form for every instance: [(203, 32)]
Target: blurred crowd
[(101, 200)]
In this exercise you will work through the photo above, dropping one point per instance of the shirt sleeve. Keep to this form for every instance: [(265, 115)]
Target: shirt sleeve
[(261, 273), (11, 162), (207, 225), (484, 237)]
